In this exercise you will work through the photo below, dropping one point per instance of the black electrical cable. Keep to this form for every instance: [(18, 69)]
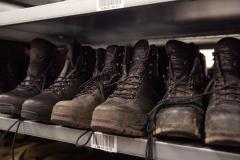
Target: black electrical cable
[(81, 136)]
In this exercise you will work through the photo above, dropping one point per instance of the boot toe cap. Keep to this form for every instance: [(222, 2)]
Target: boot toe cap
[(37, 109), (119, 117), (10, 104), (184, 122), (65, 108), (11, 99), (74, 113)]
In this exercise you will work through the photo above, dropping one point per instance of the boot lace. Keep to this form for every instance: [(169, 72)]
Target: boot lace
[(17, 124), (30, 82), (62, 81), (184, 85), (127, 87), (100, 81)]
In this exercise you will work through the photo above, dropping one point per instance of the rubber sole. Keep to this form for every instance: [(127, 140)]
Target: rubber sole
[(65, 120), (119, 122), (10, 109), (36, 115), (222, 139), (182, 122)]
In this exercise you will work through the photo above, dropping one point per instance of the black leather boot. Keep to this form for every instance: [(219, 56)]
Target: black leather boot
[(42, 55), (78, 68), (125, 111), (222, 122), (181, 113), (78, 111)]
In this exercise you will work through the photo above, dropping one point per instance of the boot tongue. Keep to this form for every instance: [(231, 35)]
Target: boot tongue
[(227, 57), (41, 54), (74, 49), (66, 68), (71, 59), (100, 57), (181, 57), (228, 63), (139, 58), (179, 65), (127, 61), (109, 63)]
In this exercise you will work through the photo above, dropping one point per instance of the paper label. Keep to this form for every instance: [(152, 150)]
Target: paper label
[(103, 5), (104, 142)]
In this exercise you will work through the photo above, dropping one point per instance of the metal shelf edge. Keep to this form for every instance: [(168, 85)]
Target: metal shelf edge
[(125, 145), (60, 9)]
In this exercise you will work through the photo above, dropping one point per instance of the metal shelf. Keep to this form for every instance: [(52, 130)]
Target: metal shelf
[(157, 20), (200, 21), (61, 9), (125, 145)]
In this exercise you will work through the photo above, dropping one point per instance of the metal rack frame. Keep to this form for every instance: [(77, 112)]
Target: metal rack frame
[(200, 21), (61, 9)]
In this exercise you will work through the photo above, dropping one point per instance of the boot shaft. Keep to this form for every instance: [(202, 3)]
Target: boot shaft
[(140, 58), (79, 60), (225, 72), (188, 64), (112, 67), (78, 67), (100, 57), (87, 64), (107, 71), (72, 59), (126, 61), (42, 54), (157, 69), (145, 59), (143, 74), (181, 57), (113, 60), (227, 58)]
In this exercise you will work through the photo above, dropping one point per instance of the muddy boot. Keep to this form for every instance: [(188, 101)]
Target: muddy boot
[(222, 122), (42, 55), (182, 115), (78, 112), (125, 111), (77, 69)]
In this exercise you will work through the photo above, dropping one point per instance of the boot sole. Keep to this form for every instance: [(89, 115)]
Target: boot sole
[(179, 123), (222, 139), (223, 130), (119, 122), (35, 116), (10, 109), (66, 120)]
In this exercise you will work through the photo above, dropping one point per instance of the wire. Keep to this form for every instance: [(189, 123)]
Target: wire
[(14, 138), (18, 122), (7, 131), (84, 133)]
